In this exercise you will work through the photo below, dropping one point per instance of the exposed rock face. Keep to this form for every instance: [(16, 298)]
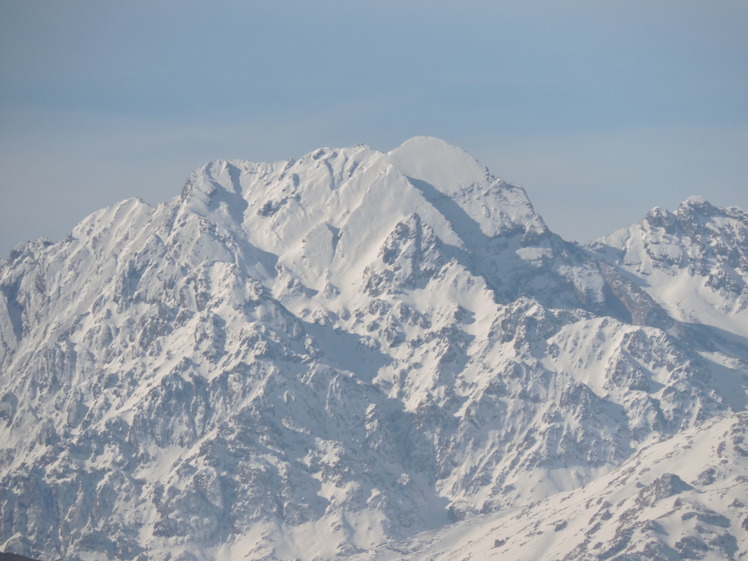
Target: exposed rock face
[(309, 359)]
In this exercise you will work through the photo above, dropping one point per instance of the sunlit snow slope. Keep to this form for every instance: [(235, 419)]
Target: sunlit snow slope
[(320, 358)]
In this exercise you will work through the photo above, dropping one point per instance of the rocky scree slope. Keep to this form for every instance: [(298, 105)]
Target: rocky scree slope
[(308, 359)]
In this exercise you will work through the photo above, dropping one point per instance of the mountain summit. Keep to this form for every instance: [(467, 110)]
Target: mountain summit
[(363, 353)]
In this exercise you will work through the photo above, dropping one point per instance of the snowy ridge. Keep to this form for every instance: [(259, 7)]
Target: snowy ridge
[(693, 261), (310, 359)]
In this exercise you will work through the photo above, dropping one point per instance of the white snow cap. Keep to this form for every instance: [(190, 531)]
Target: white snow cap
[(446, 167)]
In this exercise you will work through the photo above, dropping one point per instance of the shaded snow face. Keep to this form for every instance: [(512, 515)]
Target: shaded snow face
[(306, 359)]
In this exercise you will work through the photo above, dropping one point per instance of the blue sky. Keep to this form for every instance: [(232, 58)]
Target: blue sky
[(600, 109)]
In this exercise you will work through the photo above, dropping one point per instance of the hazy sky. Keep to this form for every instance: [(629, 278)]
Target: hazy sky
[(601, 109)]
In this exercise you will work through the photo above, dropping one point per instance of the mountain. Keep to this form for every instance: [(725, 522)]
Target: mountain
[(692, 261), (682, 498), (319, 358)]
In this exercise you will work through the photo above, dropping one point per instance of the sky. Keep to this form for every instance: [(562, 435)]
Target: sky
[(600, 109)]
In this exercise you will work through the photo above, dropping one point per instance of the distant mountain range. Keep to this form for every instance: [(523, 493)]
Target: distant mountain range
[(367, 355)]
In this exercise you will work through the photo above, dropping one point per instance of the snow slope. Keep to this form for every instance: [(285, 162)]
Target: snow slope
[(309, 359)]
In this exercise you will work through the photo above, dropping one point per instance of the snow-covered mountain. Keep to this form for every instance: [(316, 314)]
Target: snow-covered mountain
[(693, 261), (320, 358)]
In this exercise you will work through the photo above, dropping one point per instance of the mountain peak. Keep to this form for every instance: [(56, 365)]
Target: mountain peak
[(659, 217), (444, 172), (435, 161), (694, 260), (697, 204)]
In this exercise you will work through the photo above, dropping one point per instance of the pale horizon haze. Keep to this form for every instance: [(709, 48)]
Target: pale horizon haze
[(601, 110)]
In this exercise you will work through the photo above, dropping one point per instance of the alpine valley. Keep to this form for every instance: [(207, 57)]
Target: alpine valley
[(374, 356)]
